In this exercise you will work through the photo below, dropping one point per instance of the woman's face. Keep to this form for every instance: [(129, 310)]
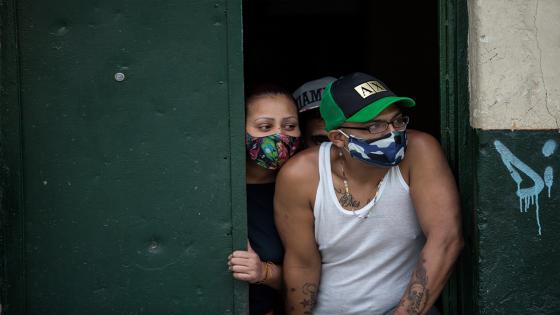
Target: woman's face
[(271, 114)]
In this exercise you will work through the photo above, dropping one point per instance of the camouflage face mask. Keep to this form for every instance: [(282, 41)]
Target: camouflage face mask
[(385, 152)]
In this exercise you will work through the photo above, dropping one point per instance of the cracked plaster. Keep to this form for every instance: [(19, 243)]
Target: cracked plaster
[(514, 64)]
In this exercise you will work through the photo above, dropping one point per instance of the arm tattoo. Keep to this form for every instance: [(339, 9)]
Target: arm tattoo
[(417, 294), (309, 290)]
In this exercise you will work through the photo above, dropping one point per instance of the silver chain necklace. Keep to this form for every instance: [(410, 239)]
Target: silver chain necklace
[(347, 197)]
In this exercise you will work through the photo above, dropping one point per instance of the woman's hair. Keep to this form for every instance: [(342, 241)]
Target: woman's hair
[(267, 89)]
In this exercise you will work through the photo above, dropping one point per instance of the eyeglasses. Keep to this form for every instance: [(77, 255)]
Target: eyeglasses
[(378, 126)]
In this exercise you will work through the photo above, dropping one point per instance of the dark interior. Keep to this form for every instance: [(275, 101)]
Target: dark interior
[(292, 42)]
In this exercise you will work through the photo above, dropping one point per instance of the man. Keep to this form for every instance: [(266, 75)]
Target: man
[(308, 98), (369, 221)]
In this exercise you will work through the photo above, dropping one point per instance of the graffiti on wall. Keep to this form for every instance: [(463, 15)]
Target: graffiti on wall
[(528, 196)]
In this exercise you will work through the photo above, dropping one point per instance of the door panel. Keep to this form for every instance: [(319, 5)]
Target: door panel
[(126, 203)]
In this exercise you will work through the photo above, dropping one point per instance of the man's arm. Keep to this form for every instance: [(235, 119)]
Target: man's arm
[(436, 200), (294, 221)]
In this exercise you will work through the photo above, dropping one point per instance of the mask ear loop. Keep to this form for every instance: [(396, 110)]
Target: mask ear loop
[(344, 133), (344, 147)]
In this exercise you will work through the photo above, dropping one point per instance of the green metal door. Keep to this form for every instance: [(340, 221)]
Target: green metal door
[(122, 147)]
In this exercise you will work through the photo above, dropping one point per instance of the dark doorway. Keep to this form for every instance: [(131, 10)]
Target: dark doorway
[(292, 42)]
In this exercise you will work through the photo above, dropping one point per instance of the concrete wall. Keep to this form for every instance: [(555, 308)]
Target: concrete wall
[(514, 52), (514, 72)]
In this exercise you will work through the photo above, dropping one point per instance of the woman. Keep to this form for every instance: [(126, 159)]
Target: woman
[(272, 136)]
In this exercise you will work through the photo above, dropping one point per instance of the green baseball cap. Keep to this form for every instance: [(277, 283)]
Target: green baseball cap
[(357, 97)]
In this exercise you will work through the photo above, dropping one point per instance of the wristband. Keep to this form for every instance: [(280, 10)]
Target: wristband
[(267, 270)]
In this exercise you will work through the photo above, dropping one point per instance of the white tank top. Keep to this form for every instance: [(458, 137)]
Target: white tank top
[(366, 263)]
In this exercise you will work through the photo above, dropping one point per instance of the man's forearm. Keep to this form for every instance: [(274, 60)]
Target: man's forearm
[(302, 286), (430, 276)]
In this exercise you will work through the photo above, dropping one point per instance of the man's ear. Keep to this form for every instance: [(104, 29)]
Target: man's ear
[(337, 138)]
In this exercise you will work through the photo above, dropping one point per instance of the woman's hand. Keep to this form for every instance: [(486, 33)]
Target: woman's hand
[(246, 265)]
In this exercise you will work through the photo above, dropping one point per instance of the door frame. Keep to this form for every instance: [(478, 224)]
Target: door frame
[(12, 227), (237, 142), (458, 142)]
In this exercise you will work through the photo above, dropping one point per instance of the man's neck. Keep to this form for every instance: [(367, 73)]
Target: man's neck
[(259, 175), (358, 171)]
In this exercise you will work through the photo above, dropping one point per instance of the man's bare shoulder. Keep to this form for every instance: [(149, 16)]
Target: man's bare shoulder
[(421, 143), (302, 167), (423, 150)]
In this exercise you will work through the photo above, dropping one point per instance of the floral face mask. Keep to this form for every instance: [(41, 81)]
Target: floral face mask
[(271, 151)]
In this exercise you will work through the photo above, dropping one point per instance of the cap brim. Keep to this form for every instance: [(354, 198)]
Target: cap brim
[(372, 110), (309, 107)]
